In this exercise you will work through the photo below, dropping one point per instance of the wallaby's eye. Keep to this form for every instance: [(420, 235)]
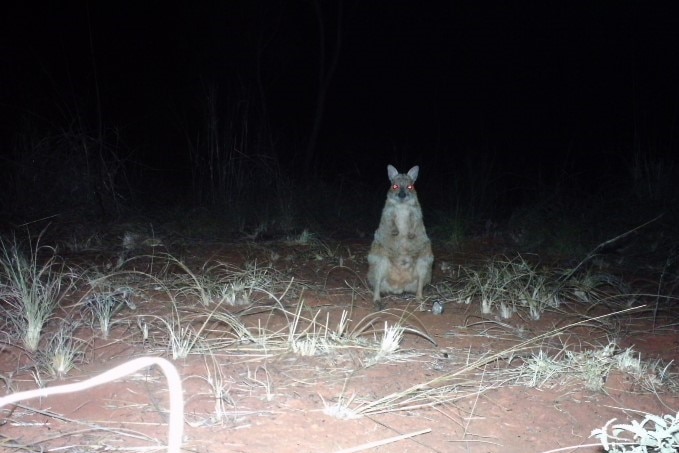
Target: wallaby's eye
[(395, 187), (411, 187)]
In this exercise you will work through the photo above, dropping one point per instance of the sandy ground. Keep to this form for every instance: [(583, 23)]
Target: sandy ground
[(277, 400)]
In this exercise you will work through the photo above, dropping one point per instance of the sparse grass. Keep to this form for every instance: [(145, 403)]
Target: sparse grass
[(314, 339), (184, 335), (506, 285), (220, 388), (595, 287), (261, 378), (32, 283), (223, 283), (592, 367), (462, 383), (198, 321), (318, 248), (407, 320), (105, 301), (77, 244), (388, 345), (63, 351)]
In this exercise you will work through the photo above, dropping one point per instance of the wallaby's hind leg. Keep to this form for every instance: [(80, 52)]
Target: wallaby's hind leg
[(423, 271), (379, 268), (420, 288)]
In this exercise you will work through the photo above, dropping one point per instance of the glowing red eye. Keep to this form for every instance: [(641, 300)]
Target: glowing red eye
[(411, 187), (395, 187)]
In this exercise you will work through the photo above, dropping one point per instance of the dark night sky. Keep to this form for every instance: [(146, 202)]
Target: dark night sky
[(534, 84)]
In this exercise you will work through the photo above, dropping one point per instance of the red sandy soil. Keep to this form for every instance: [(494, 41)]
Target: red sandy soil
[(276, 403)]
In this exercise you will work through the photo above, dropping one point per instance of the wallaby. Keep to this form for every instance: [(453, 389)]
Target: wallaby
[(400, 258)]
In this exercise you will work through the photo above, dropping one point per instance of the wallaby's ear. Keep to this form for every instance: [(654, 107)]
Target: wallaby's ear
[(413, 172), (392, 172)]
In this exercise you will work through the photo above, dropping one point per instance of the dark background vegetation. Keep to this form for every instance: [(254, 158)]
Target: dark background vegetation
[(556, 120)]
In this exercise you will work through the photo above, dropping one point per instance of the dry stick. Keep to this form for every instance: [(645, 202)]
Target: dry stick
[(379, 443), (395, 397), (668, 262), (174, 384), (599, 247), (37, 220)]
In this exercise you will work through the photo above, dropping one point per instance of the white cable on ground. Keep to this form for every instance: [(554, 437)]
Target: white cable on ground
[(174, 384)]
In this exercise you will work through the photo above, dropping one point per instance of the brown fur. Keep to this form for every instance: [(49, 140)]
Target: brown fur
[(400, 258)]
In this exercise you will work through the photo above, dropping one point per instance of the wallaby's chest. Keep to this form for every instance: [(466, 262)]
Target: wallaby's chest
[(403, 218), (400, 219)]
